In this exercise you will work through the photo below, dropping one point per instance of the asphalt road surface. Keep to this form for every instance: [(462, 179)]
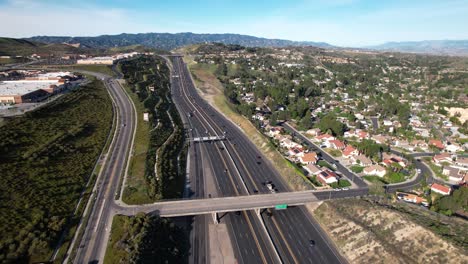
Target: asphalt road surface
[(92, 246), (241, 169)]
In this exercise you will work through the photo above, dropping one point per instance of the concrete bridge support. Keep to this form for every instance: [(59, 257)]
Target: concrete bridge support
[(258, 212), (215, 217)]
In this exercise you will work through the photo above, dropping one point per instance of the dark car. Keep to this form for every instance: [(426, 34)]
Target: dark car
[(312, 242)]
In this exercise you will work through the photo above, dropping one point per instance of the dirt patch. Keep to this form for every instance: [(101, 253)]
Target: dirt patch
[(369, 233), (458, 110)]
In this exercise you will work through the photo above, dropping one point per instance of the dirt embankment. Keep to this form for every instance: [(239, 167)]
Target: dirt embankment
[(367, 232)]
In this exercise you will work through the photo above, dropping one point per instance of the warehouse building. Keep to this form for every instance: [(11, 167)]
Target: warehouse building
[(32, 89)]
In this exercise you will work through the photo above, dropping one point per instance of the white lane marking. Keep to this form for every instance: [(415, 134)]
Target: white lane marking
[(100, 214)]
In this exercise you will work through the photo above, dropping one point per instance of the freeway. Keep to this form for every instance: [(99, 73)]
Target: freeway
[(244, 170), (244, 228)]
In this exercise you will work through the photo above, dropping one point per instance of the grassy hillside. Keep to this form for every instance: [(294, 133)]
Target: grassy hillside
[(21, 47), (47, 157)]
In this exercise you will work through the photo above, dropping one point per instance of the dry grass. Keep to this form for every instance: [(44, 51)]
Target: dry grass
[(211, 90), (136, 189), (368, 233)]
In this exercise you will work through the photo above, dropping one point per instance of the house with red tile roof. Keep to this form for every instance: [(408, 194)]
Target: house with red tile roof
[(310, 157), (327, 177), (337, 144), (411, 198), (441, 189), (436, 143), (363, 135), (350, 151)]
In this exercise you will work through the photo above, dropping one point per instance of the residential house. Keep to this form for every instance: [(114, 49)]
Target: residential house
[(312, 169), (379, 139), (327, 177), (363, 135), (441, 189), (361, 160), (417, 143), (452, 148), (349, 134), (274, 130), (337, 144), (412, 198), (387, 123), (296, 152), (462, 162), (287, 143), (388, 161), (436, 143), (442, 157), (325, 137), (455, 174), (350, 151), (375, 170), (308, 158), (313, 132)]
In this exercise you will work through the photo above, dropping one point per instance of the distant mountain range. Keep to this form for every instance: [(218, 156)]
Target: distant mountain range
[(21, 47), (442, 47), (170, 41)]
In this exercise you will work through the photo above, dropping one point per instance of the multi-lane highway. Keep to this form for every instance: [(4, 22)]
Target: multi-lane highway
[(240, 169), (96, 233)]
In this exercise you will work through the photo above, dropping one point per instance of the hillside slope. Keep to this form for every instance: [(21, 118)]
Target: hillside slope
[(21, 47), (443, 47)]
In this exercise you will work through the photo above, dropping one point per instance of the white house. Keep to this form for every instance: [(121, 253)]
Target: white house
[(375, 170), (327, 177)]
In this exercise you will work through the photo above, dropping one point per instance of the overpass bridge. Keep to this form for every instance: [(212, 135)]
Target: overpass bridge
[(255, 202)]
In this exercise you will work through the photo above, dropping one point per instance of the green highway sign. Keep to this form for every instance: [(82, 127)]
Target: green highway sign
[(281, 206)]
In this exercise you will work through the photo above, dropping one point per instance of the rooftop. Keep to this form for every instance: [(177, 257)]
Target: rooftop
[(23, 87)]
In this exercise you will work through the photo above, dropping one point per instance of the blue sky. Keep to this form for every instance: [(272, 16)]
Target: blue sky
[(338, 22)]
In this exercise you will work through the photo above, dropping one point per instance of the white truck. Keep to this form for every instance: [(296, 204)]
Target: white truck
[(270, 187)]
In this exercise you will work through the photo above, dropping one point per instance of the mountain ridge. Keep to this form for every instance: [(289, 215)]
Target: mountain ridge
[(170, 41), (441, 47)]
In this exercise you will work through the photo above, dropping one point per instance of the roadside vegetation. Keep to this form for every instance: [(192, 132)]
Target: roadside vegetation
[(212, 91), (47, 158), (154, 172), (385, 231), (146, 239)]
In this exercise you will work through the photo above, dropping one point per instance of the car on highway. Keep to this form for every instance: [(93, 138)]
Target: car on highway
[(345, 189), (312, 243), (271, 187)]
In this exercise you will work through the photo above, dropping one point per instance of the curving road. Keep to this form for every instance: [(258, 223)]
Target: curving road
[(92, 246)]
